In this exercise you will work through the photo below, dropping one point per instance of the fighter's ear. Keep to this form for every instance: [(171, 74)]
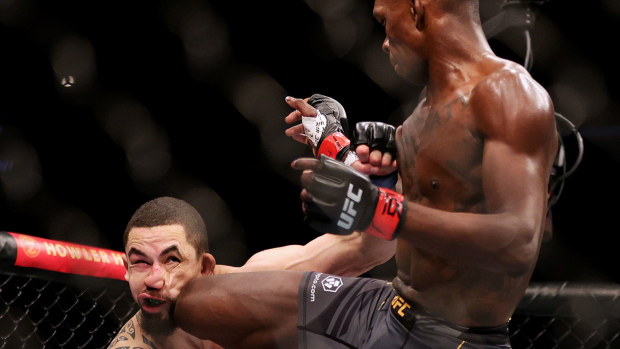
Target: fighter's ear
[(126, 265), (417, 13), (208, 264)]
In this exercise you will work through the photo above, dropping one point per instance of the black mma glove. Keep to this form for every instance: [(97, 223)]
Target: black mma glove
[(378, 136), (343, 200), (328, 130)]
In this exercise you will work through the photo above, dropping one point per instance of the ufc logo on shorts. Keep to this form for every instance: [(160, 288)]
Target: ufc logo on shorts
[(348, 211)]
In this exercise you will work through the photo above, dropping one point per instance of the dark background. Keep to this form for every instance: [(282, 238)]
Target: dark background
[(107, 104)]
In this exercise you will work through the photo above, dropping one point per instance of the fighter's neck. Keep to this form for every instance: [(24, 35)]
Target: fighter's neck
[(172, 338), (450, 78), (456, 60)]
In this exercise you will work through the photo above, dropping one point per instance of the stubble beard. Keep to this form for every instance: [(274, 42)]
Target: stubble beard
[(157, 325)]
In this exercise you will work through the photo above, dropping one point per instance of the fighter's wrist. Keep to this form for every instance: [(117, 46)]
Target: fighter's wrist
[(389, 215), (335, 146)]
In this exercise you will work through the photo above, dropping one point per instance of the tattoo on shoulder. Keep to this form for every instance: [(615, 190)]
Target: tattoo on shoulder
[(442, 115), (124, 335), (133, 347), (148, 342), (457, 105), (130, 329)]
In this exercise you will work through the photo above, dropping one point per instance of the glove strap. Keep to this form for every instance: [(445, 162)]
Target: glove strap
[(387, 219), (334, 146)]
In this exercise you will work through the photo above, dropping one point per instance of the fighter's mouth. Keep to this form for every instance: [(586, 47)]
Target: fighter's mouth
[(149, 302), (152, 301)]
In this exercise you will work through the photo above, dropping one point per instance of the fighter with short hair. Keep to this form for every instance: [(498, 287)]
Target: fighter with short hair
[(474, 160)]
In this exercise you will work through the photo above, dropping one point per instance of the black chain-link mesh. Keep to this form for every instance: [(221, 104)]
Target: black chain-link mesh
[(564, 332), (38, 313), (567, 316)]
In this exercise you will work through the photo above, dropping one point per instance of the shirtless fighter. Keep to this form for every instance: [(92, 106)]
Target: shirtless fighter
[(166, 245), (474, 159)]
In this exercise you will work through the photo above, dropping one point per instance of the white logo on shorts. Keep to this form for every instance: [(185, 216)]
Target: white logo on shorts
[(331, 283)]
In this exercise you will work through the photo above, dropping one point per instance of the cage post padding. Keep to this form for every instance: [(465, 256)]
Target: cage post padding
[(28, 251)]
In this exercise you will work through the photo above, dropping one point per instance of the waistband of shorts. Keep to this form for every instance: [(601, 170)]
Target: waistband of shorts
[(408, 313)]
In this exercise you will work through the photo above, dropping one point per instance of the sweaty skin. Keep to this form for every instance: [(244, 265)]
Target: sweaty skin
[(474, 161), (441, 162)]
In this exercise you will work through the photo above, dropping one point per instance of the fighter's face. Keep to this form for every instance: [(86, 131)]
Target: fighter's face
[(160, 262), (403, 41)]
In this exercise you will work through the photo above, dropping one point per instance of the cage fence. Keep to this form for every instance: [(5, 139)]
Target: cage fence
[(56, 294)]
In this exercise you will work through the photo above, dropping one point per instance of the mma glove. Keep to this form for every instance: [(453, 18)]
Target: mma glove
[(343, 200), (378, 136), (327, 131)]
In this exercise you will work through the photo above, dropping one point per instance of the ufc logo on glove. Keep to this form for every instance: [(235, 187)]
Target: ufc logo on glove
[(348, 211)]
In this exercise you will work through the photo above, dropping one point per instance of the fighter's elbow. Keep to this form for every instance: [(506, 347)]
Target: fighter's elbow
[(520, 260), (521, 254)]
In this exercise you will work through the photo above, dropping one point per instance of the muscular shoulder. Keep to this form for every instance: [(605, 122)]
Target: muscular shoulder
[(130, 336), (510, 103)]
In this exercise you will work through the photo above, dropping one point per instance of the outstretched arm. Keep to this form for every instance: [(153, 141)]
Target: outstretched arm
[(345, 255), (242, 310)]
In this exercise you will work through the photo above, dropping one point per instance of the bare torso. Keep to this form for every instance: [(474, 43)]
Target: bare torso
[(440, 167)]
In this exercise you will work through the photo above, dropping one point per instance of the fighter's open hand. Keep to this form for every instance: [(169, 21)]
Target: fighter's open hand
[(324, 125), (302, 108)]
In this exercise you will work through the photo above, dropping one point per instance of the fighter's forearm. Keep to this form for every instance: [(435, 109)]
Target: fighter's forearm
[(350, 255), (501, 242)]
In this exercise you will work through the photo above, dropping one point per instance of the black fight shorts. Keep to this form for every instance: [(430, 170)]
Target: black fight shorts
[(345, 312)]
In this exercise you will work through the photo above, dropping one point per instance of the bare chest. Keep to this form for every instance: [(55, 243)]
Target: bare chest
[(440, 157)]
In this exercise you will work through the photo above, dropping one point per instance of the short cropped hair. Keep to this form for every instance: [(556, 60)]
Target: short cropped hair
[(166, 211)]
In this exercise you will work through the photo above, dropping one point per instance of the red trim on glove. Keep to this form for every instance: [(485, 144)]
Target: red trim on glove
[(386, 222), (333, 144)]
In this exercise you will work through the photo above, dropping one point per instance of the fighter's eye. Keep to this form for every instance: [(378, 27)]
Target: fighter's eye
[(380, 20), (173, 259)]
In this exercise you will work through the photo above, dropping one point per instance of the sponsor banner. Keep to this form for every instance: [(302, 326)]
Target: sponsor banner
[(66, 257)]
